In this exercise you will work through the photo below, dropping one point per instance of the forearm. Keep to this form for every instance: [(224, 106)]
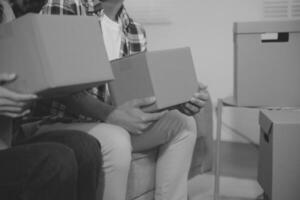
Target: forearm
[(88, 105)]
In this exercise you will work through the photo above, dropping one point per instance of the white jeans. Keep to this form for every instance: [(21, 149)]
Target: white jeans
[(174, 135)]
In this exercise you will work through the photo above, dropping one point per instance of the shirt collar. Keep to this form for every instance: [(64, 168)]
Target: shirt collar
[(92, 6)]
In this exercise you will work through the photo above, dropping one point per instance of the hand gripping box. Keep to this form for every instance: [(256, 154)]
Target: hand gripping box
[(267, 63), (279, 160), (54, 55), (169, 75)]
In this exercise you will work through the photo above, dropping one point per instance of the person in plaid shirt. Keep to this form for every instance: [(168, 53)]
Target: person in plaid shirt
[(126, 128)]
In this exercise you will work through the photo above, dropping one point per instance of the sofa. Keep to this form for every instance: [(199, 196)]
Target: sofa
[(142, 173)]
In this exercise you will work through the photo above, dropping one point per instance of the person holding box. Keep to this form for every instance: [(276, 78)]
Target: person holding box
[(60, 165), (125, 128), (56, 165)]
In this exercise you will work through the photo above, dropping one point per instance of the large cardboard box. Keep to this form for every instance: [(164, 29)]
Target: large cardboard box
[(169, 75), (267, 63), (279, 160), (54, 55)]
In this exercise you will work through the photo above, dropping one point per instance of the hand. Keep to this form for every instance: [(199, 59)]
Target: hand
[(13, 104), (131, 116), (196, 103)]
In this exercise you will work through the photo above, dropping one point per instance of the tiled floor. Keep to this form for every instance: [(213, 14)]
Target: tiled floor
[(238, 170)]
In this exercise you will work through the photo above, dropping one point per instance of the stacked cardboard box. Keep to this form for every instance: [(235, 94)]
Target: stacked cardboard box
[(267, 63), (279, 160)]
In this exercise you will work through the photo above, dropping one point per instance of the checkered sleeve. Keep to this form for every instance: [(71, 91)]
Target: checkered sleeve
[(137, 38), (134, 35), (63, 7)]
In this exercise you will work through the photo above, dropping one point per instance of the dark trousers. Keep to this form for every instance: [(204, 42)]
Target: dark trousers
[(59, 165)]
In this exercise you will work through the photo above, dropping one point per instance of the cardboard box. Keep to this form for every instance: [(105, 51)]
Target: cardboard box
[(279, 160), (267, 63), (54, 55), (169, 75)]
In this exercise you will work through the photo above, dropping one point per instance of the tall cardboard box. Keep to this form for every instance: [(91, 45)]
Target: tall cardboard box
[(279, 160), (54, 55), (267, 63), (169, 75)]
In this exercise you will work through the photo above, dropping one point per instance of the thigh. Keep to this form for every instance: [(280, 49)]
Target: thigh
[(107, 134), (85, 127), (112, 138), (19, 165), (85, 146), (87, 151), (163, 131)]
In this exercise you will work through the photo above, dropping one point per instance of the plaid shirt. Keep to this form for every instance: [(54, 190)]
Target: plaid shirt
[(133, 34), (133, 40)]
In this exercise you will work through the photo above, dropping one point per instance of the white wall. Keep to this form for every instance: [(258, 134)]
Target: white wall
[(206, 26)]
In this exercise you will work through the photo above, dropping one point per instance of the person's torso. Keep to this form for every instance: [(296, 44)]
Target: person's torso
[(121, 38)]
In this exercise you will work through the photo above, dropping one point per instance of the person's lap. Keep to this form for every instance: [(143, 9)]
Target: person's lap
[(117, 144), (158, 134), (27, 169), (87, 152)]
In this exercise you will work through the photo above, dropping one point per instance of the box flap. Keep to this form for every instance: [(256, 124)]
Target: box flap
[(266, 26), (265, 122), (283, 117)]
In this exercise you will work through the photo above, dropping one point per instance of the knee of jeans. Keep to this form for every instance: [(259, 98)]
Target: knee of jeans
[(177, 123), (87, 148), (191, 128), (116, 146), (188, 134), (61, 162)]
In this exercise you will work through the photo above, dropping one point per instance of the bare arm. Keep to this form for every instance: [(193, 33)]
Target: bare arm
[(88, 105)]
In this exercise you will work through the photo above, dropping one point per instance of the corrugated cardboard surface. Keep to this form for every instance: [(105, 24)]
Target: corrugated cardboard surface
[(54, 52), (132, 79), (266, 26), (169, 75), (279, 160), (173, 76), (267, 73)]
